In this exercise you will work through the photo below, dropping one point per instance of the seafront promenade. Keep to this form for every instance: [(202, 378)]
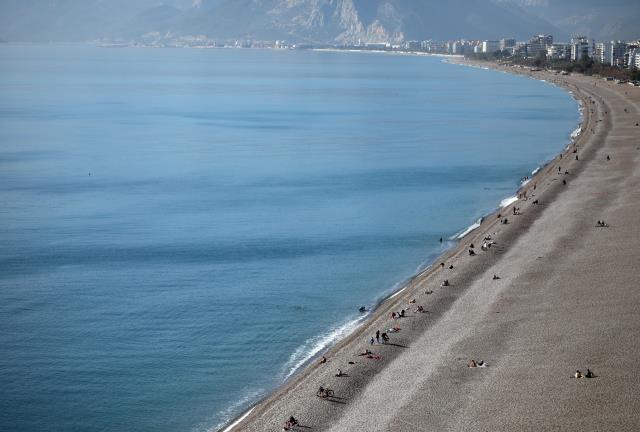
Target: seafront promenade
[(565, 297)]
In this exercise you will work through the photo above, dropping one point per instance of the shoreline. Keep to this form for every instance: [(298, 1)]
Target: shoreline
[(412, 284)]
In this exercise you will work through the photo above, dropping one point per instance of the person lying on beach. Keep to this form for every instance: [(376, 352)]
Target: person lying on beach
[(366, 352), (601, 224), (428, 292), (475, 364), (412, 301), (394, 329)]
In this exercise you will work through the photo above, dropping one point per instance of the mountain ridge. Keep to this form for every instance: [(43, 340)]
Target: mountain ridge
[(318, 21)]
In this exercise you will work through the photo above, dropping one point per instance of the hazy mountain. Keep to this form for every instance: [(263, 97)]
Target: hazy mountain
[(598, 19), (342, 21)]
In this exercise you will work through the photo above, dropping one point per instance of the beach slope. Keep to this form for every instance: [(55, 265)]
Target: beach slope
[(565, 297)]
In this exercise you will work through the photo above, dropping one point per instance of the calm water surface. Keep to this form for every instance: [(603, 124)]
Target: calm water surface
[(181, 229)]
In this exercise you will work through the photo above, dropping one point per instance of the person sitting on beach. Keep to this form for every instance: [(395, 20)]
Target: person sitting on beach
[(480, 363), (293, 421), (472, 363), (442, 265), (536, 202), (420, 309), (589, 374), (578, 374), (323, 360), (471, 246), (339, 374), (412, 301), (385, 337), (402, 313), (445, 283), (393, 315), (495, 277), (471, 252), (451, 267)]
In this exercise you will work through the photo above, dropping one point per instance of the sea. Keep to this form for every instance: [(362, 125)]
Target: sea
[(182, 230)]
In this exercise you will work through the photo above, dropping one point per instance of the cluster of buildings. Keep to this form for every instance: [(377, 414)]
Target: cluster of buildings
[(615, 53)]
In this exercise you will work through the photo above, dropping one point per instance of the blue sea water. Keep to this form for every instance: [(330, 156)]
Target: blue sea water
[(181, 229)]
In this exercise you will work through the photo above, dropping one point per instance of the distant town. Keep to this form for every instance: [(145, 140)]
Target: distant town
[(539, 50)]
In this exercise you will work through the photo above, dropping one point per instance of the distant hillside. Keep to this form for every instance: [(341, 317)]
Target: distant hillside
[(598, 19), (332, 21)]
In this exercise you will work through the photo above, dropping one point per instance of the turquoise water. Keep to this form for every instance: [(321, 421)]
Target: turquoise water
[(181, 229)]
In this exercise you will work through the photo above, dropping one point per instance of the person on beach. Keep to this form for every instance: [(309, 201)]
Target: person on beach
[(340, 373), (495, 277), (385, 337), (451, 267), (393, 315), (378, 336), (372, 341), (446, 282), (402, 313), (323, 360), (578, 374), (472, 363), (589, 374), (471, 252)]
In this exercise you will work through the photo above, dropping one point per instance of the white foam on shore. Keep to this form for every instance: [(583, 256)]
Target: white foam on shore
[(576, 133), (535, 171), (313, 346), (235, 423), (397, 292), (470, 228), (507, 201), (231, 411)]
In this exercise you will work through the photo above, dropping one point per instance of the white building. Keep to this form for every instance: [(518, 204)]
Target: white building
[(559, 51), (603, 53), (581, 47), (490, 46), (616, 53)]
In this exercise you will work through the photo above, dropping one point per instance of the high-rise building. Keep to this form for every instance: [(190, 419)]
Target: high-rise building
[(558, 51), (602, 54), (490, 46), (581, 47), (507, 43), (616, 53)]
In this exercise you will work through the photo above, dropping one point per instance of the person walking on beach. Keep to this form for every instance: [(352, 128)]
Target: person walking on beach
[(378, 336)]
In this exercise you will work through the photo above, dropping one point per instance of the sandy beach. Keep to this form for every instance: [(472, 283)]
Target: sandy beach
[(566, 298)]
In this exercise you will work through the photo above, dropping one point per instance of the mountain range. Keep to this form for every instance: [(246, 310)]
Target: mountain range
[(320, 21)]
